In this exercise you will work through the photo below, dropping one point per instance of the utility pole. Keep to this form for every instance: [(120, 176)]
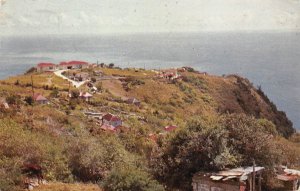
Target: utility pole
[(253, 176), (32, 86)]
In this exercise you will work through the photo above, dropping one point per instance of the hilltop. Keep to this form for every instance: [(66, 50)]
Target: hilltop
[(118, 120)]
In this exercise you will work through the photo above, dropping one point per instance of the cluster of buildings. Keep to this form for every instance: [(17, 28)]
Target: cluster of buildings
[(50, 67)]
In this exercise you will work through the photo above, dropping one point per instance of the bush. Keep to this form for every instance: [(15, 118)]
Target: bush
[(127, 179), (13, 99), (30, 70), (91, 159), (93, 79), (75, 94), (54, 93), (29, 100)]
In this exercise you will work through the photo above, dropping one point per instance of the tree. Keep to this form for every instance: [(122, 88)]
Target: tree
[(99, 86), (13, 99), (29, 100), (111, 65), (127, 179), (54, 93), (75, 94), (93, 79)]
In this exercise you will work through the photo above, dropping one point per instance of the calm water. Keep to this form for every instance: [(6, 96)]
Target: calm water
[(269, 60)]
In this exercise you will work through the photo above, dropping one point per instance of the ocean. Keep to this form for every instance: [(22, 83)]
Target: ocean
[(269, 60)]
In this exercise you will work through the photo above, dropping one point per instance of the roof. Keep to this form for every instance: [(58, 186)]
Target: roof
[(110, 117), (73, 63), (39, 97), (292, 172), (286, 174), (108, 127), (285, 177), (41, 65), (170, 128), (236, 173), (85, 95)]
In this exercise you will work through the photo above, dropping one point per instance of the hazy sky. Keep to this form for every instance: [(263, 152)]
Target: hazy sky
[(123, 16)]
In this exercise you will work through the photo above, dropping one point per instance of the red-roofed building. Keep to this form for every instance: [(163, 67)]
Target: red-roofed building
[(46, 67), (112, 120), (40, 99), (170, 128), (73, 65)]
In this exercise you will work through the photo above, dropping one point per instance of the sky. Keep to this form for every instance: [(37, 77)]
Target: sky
[(129, 16)]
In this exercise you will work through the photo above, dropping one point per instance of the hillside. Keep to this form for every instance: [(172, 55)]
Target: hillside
[(67, 137)]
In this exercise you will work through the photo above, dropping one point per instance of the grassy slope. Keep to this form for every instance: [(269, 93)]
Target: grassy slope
[(68, 187), (163, 103)]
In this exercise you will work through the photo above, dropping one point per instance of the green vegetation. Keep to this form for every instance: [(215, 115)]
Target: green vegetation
[(222, 122)]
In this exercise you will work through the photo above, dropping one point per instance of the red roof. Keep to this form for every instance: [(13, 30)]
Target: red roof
[(170, 128), (73, 63), (110, 117), (41, 65), (39, 97)]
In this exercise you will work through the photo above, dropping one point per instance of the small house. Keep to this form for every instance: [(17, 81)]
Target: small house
[(73, 65), (170, 74), (133, 101), (46, 67), (238, 179), (3, 104), (170, 128), (40, 99), (290, 178), (85, 96), (112, 120)]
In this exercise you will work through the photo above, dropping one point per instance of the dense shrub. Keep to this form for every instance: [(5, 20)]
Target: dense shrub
[(18, 146), (127, 179), (91, 159)]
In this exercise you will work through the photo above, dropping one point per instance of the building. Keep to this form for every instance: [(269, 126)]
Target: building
[(73, 65), (134, 101), (170, 128), (112, 120), (46, 67), (290, 178), (40, 99), (85, 96), (3, 104), (170, 74), (238, 179)]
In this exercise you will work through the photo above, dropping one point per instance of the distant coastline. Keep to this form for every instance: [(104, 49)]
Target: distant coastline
[(268, 60)]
